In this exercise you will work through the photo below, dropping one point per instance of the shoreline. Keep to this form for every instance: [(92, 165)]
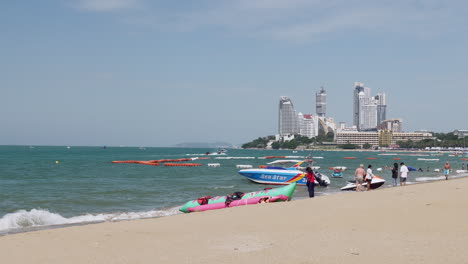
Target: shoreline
[(318, 193), (405, 224)]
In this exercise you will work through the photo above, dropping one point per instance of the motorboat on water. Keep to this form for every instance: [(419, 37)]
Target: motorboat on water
[(281, 176), (376, 182)]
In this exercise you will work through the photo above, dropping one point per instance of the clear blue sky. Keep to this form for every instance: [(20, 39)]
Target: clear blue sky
[(157, 73)]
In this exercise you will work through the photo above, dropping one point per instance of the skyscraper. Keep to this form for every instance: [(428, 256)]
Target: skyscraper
[(368, 112), (321, 103), (357, 94), (381, 108), (288, 119)]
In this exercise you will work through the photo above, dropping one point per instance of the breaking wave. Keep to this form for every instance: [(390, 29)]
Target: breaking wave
[(22, 220)]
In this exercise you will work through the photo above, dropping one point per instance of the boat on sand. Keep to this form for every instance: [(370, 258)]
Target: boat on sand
[(238, 199)]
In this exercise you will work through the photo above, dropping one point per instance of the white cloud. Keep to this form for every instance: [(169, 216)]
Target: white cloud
[(106, 5), (294, 20)]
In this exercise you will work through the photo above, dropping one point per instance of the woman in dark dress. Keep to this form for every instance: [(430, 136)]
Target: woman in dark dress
[(395, 173)]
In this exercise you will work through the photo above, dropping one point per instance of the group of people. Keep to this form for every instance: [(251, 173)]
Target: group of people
[(361, 175)]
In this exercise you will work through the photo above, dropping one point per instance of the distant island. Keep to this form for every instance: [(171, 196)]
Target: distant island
[(204, 145)]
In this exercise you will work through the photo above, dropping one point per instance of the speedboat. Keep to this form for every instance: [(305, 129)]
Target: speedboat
[(376, 182), (281, 176)]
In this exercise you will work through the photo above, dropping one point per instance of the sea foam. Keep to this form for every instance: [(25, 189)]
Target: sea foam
[(23, 219)]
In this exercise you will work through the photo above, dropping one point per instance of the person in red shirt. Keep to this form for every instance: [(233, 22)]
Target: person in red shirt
[(310, 181)]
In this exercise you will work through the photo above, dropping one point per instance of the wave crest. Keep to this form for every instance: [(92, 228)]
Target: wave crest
[(23, 219)]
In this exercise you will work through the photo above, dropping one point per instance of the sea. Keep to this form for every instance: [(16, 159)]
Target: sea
[(57, 186)]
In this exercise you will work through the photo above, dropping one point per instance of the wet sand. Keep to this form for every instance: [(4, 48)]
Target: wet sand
[(420, 223)]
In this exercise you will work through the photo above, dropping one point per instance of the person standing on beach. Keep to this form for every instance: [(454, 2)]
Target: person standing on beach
[(359, 174), (395, 173), (369, 176), (463, 166), (446, 170), (310, 181), (403, 173)]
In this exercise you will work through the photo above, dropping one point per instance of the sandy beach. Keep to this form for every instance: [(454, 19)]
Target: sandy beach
[(420, 223)]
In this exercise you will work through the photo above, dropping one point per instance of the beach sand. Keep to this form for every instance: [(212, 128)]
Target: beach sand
[(420, 223)]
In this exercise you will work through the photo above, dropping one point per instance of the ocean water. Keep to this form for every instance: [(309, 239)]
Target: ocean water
[(48, 186)]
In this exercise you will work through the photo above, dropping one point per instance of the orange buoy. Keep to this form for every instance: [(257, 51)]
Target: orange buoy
[(147, 163), (396, 159), (349, 158), (464, 159), (262, 166), (275, 157), (331, 168), (181, 164), (371, 158)]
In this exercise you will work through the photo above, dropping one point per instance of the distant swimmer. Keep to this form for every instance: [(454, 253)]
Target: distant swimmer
[(446, 170)]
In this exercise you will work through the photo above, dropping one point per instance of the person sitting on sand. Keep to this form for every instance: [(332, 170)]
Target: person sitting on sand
[(446, 170), (359, 174)]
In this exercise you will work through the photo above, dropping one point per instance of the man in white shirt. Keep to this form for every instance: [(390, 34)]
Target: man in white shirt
[(403, 173)]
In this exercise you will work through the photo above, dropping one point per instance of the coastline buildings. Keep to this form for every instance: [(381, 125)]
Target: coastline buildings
[(394, 125), (379, 138), (292, 123), (368, 111)]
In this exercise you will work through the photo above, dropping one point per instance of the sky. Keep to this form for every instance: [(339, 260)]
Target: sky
[(158, 73)]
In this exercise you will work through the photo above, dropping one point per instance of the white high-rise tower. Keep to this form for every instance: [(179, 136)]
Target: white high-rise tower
[(321, 103), (368, 111), (288, 123)]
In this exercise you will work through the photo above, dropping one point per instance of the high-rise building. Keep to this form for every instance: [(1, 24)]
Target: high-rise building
[(381, 100), (321, 103), (357, 95), (368, 112), (308, 125), (288, 120)]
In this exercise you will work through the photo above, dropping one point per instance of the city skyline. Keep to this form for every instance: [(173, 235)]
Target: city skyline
[(152, 73)]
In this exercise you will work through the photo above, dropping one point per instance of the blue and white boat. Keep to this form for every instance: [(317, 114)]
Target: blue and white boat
[(282, 176)]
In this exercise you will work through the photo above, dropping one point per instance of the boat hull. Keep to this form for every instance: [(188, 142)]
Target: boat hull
[(279, 193), (272, 176), (281, 177), (253, 200)]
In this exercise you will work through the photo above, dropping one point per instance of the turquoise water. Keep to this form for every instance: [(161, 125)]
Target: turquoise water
[(45, 186)]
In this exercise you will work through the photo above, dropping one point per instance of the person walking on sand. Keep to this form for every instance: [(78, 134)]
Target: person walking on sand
[(310, 181), (403, 173), (359, 174), (369, 176), (446, 170), (395, 174)]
